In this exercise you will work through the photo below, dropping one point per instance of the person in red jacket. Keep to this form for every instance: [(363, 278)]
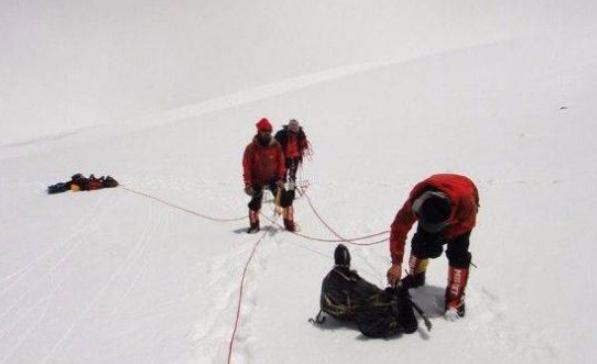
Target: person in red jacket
[(445, 206), (294, 144), (263, 167)]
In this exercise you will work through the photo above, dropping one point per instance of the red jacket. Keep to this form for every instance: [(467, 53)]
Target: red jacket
[(263, 164), (293, 144), (464, 200)]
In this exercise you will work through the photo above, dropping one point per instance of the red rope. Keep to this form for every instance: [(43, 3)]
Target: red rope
[(240, 297), (183, 208), (323, 240), (254, 249), (342, 239), (303, 192)]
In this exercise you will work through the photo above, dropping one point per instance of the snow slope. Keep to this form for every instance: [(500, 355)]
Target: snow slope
[(163, 96)]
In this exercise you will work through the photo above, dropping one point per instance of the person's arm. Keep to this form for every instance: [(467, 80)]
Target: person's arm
[(247, 166), (403, 222)]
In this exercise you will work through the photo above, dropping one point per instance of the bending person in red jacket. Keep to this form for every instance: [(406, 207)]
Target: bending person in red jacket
[(263, 167), (445, 206)]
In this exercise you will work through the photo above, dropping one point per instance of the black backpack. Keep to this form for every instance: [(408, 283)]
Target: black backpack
[(58, 188), (390, 312), (378, 313), (343, 292), (110, 182)]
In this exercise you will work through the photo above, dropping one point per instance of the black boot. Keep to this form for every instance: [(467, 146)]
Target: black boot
[(413, 280), (254, 228)]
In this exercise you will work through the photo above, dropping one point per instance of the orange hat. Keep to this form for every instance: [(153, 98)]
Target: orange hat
[(264, 125)]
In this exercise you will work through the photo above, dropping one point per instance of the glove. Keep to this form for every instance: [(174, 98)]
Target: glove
[(249, 190), (394, 274)]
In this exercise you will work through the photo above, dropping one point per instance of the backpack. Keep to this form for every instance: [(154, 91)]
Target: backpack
[(343, 291), (390, 313), (110, 182), (58, 188), (378, 313), (94, 183)]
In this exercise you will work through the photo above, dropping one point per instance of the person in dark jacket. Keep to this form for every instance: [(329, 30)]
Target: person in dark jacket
[(294, 143), (445, 206), (263, 167)]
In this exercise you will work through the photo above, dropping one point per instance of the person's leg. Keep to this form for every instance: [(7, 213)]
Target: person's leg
[(423, 246), (287, 197), (292, 165), (254, 207), (459, 259)]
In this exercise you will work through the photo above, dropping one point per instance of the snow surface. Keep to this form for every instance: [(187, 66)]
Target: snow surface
[(163, 95)]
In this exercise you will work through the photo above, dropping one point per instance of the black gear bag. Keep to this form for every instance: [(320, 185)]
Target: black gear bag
[(378, 313)]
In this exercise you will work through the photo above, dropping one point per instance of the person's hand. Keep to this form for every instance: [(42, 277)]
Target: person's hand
[(280, 183), (249, 190), (394, 274)]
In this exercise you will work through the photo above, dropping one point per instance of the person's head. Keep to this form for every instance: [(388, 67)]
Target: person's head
[(433, 210), (293, 125), (264, 131), (342, 256)]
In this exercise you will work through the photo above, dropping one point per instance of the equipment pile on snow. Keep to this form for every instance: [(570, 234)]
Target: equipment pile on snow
[(80, 183)]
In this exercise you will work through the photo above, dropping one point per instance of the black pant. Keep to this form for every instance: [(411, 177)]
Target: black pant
[(292, 165), (427, 245), (286, 197)]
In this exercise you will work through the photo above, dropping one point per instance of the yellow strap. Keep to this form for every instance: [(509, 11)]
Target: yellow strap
[(422, 266), (277, 201)]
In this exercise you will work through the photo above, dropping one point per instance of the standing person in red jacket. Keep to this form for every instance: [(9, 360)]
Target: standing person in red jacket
[(294, 144), (445, 206), (263, 167)]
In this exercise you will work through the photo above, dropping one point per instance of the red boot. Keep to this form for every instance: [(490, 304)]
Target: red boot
[(288, 215), (254, 221), (457, 280)]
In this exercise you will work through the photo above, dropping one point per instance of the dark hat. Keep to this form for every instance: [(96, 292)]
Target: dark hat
[(342, 256), (433, 209)]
